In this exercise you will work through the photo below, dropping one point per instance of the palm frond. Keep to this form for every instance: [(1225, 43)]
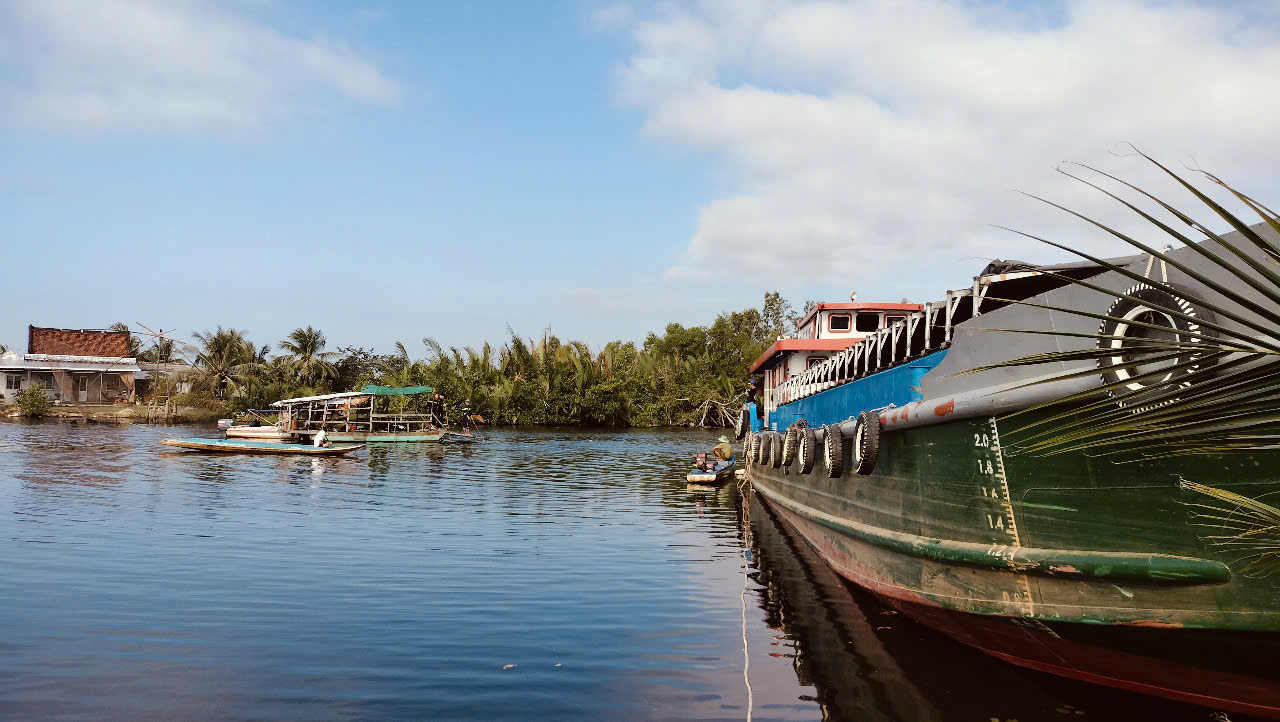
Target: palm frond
[(1211, 387), (1251, 525)]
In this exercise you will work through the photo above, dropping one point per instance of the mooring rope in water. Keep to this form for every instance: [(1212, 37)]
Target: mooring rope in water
[(746, 576), (746, 659)]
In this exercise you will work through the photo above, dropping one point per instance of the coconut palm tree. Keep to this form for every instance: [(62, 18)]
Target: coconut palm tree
[(224, 358), (308, 360), (161, 351)]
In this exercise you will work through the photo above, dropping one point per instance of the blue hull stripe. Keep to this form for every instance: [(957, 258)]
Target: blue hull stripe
[(899, 385)]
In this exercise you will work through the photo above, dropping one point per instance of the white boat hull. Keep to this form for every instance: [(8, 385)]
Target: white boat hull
[(258, 433)]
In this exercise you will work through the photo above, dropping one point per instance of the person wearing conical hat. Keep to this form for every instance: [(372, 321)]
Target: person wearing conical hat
[(723, 452)]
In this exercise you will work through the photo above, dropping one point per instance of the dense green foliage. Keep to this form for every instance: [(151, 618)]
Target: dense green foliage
[(687, 375), (33, 402)]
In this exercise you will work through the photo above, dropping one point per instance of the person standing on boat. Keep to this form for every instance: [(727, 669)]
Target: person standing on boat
[(723, 452), (465, 419), (436, 409)]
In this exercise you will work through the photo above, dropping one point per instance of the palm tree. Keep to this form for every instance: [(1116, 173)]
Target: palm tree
[(161, 351), (225, 358), (308, 359)]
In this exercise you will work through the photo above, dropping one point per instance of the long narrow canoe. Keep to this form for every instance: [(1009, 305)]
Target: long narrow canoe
[(244, 446)]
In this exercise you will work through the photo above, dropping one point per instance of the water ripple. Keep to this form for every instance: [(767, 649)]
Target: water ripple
[(140, 582)]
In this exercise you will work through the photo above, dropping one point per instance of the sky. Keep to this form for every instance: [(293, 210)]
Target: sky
[(386, 171)]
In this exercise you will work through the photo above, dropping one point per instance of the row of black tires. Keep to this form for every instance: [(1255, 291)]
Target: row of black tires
[(800, 442)]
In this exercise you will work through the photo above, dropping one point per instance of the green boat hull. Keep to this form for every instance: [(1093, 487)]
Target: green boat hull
[(972, 540)]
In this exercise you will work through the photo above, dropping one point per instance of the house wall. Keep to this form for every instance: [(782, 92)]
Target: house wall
[(100, 387), (25, 380)]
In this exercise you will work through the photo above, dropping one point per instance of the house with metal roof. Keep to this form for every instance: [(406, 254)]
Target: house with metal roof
[(72, 365)]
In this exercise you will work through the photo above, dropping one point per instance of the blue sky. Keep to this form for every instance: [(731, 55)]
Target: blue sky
[(388, 171), (504, 173)]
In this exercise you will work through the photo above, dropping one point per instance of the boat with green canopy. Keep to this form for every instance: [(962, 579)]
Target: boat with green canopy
[(371, 414)]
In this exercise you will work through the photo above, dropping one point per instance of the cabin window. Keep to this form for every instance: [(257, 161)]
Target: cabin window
[(814, 361), (12, 383), (839, 322), (867, 322), (890, 320)]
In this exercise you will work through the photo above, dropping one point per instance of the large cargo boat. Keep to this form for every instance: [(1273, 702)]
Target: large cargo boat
[(1094, 502)]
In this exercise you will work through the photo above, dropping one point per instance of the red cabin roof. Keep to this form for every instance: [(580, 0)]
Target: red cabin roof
[(802, 344)]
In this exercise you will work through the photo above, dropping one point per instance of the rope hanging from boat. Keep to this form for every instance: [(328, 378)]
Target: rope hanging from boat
[(746, 658), (746, 575)]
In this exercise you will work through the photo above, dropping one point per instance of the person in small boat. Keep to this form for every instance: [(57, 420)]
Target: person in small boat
[(721, 456), (723, 452), (321, 440)]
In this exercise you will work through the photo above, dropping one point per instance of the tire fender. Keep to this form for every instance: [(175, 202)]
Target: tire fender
[(833, 450), (744, 423), (775, 449), (806, 451), (866, 442), (789, 445)]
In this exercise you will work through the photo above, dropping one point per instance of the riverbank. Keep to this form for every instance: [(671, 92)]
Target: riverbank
[(115, 414)]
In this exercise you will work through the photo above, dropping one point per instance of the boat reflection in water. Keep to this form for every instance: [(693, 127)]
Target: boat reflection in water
[(868, 662)]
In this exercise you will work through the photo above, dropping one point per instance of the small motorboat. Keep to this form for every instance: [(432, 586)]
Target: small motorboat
[(247, 446), (259, 433), (705, 472)]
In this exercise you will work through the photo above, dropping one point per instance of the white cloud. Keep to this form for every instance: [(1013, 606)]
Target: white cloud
[(168, 65), (872, 142)]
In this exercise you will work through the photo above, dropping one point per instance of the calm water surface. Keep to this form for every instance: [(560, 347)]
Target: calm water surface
[(536, 575)]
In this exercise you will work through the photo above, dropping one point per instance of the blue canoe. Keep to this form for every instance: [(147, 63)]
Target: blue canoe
[(245, 446)]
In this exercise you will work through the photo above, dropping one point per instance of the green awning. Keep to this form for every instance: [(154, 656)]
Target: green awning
[(373, 390)]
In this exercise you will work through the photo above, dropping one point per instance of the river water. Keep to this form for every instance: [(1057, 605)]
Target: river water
[(534, 575)]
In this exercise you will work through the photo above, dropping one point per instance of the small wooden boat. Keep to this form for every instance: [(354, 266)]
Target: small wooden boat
[(264, 425), (711, 477), (246, 446), (258, 433)]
